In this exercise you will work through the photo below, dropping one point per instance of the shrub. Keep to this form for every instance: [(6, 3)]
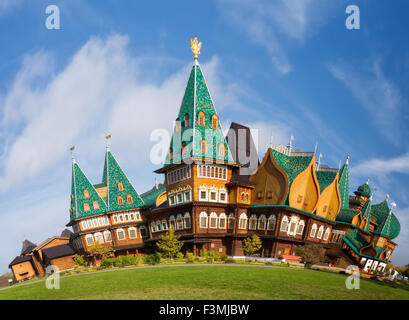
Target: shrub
[(169, 244), (152, 258), (80, 260), (107, 263), (190, 257), (251, 245), (179, 255)]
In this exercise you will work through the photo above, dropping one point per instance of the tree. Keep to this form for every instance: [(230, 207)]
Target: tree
[(169, 244), (100, 252), (251, 245), (310, 254)]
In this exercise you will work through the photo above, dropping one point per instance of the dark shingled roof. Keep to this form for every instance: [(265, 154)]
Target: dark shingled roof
[(28, 246), (59, 251), (66, 233), (150, 196), (19, 259)]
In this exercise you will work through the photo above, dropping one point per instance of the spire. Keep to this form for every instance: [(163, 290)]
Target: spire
[(120, 192), (197, 126), (319, 161), (344, 185)]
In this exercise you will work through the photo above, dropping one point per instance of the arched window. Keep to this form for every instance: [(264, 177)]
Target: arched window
[(201, 119), (320, 232), (184, 148), (326, 234), (99, 238), (95, 205), (222, 221), (300, 227), (293, 226), (170, 154), (107, 236), (262, 222), (188, 221), (215, 122), (230, 224), (120, 186), (222, 149), (204, 146), (86, 194), (313, 230), (89, 239), (164, 225), (246, 198), (120, 234), (179, 222), (213, 220), (172, 222), (177, 125), (86, 207), (242, 197), (129, 199), (271, 224), (120, 200), (187, 120), (284, 224), (203, 220), (132, 233), (253, 222), (243, 221)]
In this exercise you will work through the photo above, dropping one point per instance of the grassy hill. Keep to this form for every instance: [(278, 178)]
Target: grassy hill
[(206, 282)]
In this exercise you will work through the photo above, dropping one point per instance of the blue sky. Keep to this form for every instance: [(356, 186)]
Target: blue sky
[(120, 67)]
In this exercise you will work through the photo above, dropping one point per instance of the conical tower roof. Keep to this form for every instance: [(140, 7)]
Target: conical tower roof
[(85, 200), (118, 185), (344, 185), (28, 246), (197, 121)]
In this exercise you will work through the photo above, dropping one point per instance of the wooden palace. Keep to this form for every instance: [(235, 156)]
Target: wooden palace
[(216, 193)]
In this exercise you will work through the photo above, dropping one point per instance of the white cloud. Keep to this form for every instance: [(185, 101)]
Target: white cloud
[(377, 94), (265, 22), (101, 90)]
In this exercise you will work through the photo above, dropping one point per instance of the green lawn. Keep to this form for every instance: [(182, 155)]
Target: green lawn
[(206, 282)]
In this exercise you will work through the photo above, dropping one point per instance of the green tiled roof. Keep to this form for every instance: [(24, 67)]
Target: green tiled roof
[(149, 198), (379, 250), (365, 189), (346, 215), (366, 213), (356, 239), (197, 99), (79, 184), (389, 225), (292, 165), (344, 186), (325, 178), (112, 175)]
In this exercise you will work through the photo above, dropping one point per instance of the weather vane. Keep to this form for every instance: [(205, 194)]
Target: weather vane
[(195, 46)]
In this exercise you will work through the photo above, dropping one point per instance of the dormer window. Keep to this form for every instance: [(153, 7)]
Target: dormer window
[(184, 148), (86, 207), (129, 199), (86, 194), (177, 125), (299, 199), (170, 154), (215, 122), (269, 195), (260, 195), (204, 146), (95, 205), (120, 200), (187, 120), (120, 186), (222, 149), (201, 119)]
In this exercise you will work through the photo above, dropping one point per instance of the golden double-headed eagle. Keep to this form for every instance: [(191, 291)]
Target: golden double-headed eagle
[(196, 46)]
